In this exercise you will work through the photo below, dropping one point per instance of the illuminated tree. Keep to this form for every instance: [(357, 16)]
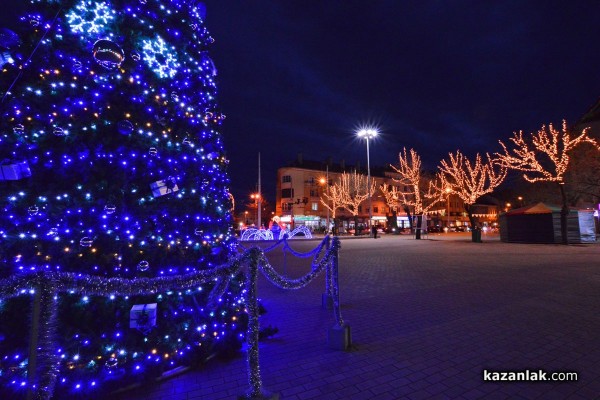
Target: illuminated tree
[(421, 194), (470, 180), (392, 200), (354, 191), (113, 165), (333, 199), (545, 157)]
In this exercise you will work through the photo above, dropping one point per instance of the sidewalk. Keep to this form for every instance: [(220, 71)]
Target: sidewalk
[(427, 317)]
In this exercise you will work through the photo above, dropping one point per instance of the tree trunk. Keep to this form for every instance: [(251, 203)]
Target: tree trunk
[(356, 225), (410, 217), (564, 212), (475, 229), (418, 228), (393, 222)]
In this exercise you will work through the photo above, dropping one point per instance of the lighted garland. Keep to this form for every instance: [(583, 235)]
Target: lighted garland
[(267, 234), (286, 246), (256, 234)]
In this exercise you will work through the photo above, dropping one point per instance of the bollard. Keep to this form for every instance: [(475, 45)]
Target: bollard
[(256, 391), (339, 337)]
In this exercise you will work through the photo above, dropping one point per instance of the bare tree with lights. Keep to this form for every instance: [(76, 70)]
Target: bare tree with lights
[(392, 200), (333, 200), (354, 191), (420, 193), (470, 180), (545, 158)]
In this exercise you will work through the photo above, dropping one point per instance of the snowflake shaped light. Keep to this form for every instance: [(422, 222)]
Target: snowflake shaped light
[(90, 17), (160, 57)]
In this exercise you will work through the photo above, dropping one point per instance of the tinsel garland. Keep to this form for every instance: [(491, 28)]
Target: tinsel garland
[(333, 284), (298, 283), (48, 362), (254, 378), (46, 285), (286, 246)]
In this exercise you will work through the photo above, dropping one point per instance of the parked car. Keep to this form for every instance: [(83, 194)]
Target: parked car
[(434, 229)]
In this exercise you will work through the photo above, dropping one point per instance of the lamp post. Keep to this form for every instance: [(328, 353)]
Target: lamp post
[(325, 181), (448, 190), (368, 133), (256, 197)]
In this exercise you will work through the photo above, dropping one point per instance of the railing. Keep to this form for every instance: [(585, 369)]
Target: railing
[(44, 365)]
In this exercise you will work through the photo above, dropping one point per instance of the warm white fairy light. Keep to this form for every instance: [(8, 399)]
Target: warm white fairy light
[(469, 181), (547, 143), (354, 191), (418, 193)]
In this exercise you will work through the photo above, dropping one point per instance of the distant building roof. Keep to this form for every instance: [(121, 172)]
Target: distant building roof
[(539, 208)]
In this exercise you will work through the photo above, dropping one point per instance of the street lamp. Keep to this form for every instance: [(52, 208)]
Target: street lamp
[(368, 133), (325, 181), (448, 190), (256, 197)]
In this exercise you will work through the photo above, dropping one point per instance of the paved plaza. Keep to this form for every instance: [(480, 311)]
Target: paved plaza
[(427, 318)]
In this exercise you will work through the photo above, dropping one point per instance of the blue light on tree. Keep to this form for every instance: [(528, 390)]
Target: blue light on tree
[(90, 17), (161, 58)]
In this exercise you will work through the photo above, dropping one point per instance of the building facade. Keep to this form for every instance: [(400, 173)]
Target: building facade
[(301, 186)]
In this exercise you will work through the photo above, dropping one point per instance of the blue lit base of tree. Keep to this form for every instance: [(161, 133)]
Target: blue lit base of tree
[(47, 285)]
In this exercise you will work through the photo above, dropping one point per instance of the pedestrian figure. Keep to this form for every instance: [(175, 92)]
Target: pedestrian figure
[(374, 231)]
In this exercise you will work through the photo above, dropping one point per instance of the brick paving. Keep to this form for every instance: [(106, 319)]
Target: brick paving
[(427, 317)]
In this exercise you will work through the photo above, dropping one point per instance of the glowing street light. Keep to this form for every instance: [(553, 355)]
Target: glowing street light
[(368, 133), (448, 190), (325, 181), (257, 198)]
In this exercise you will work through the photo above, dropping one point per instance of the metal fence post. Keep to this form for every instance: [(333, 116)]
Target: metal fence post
[(256, 391), (339, 336)]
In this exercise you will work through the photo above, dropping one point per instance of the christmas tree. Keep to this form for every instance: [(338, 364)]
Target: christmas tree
[(113, 165)]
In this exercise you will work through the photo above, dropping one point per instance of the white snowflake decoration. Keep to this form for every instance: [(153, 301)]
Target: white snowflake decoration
[(90, 17), (160, 58)]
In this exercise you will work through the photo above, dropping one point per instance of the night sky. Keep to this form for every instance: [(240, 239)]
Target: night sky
[(302, 76)]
